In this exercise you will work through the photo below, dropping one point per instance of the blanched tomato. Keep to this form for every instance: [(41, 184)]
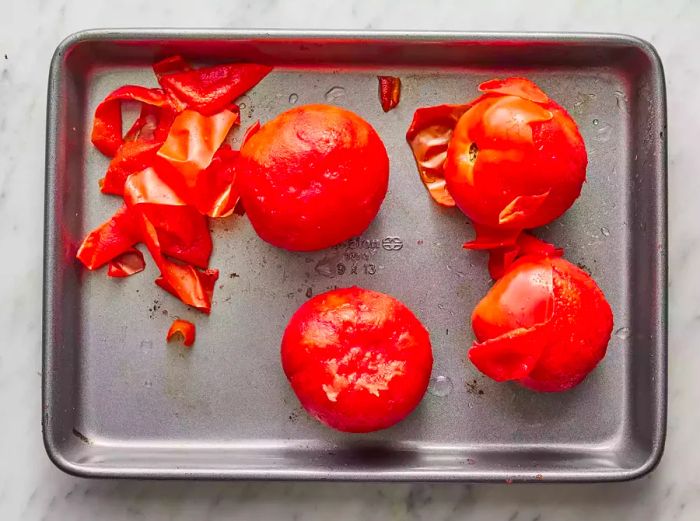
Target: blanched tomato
[(357, 360), (516, 160), (545, 324), (312, 177)]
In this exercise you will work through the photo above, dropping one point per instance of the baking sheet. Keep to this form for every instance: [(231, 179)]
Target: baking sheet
[(119, 402)]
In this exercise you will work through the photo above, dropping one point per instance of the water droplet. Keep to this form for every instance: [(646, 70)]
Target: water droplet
[(293, 98), (440, 386), (623, 333), (148, 383), (603, 133), (146, 344), (596, 121), (243, 102), (334, 93), (604, 230)]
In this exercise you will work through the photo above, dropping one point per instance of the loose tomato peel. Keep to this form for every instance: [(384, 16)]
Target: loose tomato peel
[(109, 240), (126, 264), (192, 142), (182, 329), (216, 195), (389, 92), (107, 126), (191, 286), (182, 231), (209, 90), (173, 172), (429, 136), (170, 65)]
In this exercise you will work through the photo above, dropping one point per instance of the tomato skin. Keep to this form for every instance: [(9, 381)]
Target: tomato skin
[(358, 360), (313, 177), (545, 324), (516, 159)]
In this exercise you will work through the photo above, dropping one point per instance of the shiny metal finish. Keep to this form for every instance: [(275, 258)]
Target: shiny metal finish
[(120, 402)]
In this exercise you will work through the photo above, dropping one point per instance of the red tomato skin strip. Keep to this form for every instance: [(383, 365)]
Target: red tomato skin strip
[(389, 92), (428, 137), (149, 195), (130, 158), (183, 328), (209, 90), (215, 192), (109, 240), (170, 65), (192, 142), (107, 125), (128, 263)]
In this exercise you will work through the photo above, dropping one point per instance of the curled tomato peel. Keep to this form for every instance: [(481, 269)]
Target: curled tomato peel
[(389, 92), (216, 195), (131, 157), (170, 65), (173, 171), (183, 329), (182, 231), (109, 240), (428, 136), (192, 286), (126, 264), (191, 144), (209, 90), (107, 125), (544, 323)]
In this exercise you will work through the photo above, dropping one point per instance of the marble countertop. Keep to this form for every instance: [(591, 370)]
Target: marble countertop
[(31, 488)]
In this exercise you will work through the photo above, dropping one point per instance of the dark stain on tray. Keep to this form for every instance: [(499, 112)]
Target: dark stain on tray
[(81, 436), (473, 387), (153, 310), (233, 275), (584, 267)]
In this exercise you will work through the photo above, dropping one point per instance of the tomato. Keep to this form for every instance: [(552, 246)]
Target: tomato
[(516, 160), (312, 177), (545, 324), (357, 360)]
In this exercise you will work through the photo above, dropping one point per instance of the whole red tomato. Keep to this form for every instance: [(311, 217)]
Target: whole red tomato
[(313, 177), (358, 360), (545, 324), (516, 159), (511, 160)]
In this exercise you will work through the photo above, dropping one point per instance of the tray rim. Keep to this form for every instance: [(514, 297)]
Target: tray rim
[(659, 387)]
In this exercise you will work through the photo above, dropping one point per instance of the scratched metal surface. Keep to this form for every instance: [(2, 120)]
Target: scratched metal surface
[(118, 401)]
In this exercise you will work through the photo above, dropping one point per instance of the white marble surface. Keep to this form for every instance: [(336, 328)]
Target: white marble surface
[(31, 488)]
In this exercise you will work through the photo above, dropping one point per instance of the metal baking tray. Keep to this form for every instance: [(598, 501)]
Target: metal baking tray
[(119, 402)]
